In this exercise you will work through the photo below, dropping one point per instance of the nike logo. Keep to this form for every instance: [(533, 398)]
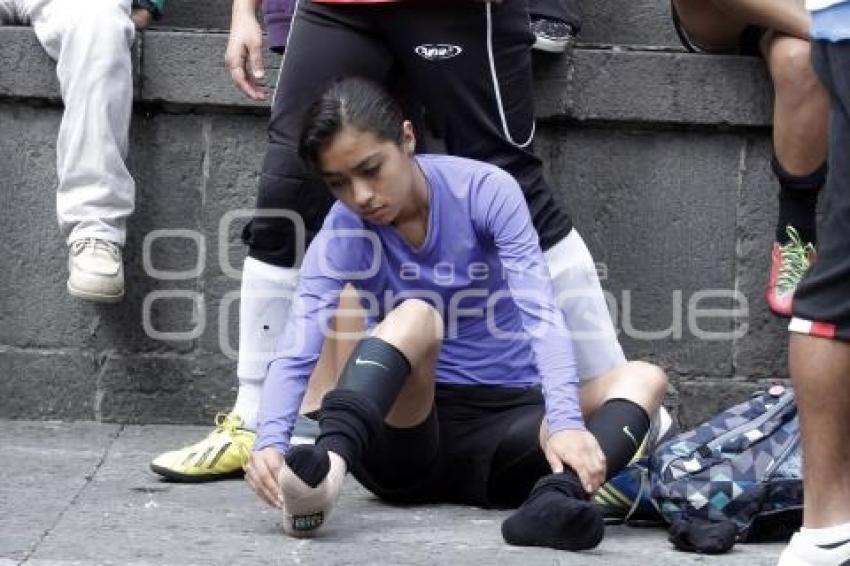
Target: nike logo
[(361, 362), (630, 435)]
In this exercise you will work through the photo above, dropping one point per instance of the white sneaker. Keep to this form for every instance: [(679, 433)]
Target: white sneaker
[(305, 508), (95, 270), (802, 552)]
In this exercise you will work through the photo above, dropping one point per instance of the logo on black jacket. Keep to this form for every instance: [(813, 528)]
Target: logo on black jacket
[(437, 51)]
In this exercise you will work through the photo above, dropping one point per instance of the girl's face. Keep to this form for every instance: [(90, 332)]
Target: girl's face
[(373, 178)]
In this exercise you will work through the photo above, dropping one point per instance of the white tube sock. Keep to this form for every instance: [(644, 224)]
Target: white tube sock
[(266, 295), (828, 535), (581, 299)]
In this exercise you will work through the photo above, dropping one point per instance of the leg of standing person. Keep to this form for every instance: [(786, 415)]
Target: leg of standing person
[(482, 101), (555, 24), (801, 107), (324, 45), (96, 193), (819, 351)]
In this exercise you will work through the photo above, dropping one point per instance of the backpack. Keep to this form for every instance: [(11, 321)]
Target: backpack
[(744, 466)]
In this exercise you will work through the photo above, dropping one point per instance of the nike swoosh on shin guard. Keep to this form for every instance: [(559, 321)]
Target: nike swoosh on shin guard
[(306, 509)]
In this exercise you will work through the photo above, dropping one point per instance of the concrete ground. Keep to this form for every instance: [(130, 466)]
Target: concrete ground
[(81, 494)]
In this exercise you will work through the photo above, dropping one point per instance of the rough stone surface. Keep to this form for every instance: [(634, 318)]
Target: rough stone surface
[(640, 22), (185, 14), (47, 384), (188, 68), (756, 230), (52, 463), (157, 388), (657, 211), (668, 88), (701, 400), (109, 509)]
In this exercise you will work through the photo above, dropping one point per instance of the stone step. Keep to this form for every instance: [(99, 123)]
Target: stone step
[(620, 85), (639, 22)]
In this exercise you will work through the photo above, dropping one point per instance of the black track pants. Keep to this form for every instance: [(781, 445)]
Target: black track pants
[(467, 63)]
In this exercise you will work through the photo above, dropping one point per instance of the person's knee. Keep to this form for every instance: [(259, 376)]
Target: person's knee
[(654, 378), (648, 381), (412, 319), (790, 61)]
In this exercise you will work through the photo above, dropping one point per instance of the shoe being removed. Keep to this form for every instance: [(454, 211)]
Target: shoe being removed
[(306, 508), (222, 454)]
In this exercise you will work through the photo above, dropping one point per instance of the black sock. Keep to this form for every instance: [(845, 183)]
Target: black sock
[(798, 199), (557, 514), (619, 426), (349, 421), (310, 463), (368, 386)]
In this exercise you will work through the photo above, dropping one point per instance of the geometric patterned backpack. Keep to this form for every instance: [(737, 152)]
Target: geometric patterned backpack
[(744, 465)]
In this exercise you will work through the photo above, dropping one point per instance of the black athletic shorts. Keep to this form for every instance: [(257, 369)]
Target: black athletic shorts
[(822, 299), (478, 446), (748, 42)]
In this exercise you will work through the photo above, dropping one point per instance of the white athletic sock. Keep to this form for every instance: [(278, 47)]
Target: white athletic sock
[(579, 295), (827, 536), (263, 310), (248, 402)]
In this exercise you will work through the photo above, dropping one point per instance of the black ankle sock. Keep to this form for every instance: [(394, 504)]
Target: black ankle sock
[(557, 514), (310, 463), (798, 199), (619, 426)]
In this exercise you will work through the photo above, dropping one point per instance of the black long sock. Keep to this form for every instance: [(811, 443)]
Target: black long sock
[(619, 426), (353, 412), (798, 199), (558, 513)]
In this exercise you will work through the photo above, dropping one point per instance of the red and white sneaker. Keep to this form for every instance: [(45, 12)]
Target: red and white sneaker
[(788, 264)]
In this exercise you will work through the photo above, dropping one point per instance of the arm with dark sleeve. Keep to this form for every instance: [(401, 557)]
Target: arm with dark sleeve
[(500, 212), (278, 15)]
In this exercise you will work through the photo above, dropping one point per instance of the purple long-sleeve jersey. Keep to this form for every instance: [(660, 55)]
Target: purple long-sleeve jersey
[(480, 265)]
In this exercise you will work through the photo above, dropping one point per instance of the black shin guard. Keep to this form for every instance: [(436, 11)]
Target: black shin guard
[(798, 199), (619, 426), (351, 413), (367, 389)]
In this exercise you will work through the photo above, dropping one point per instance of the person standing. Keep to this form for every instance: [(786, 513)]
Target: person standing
[(778, 31), (819, 348)]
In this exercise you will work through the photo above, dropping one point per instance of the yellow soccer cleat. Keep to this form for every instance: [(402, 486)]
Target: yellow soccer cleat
[(222, 454)]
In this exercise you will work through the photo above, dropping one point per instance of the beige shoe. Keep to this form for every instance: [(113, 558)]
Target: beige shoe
[(305, 508), (95, 271)]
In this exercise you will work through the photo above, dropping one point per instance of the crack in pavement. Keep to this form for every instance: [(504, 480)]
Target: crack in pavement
[(89, 477)]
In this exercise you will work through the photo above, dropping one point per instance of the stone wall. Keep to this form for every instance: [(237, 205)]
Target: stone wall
[(661, 155)]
